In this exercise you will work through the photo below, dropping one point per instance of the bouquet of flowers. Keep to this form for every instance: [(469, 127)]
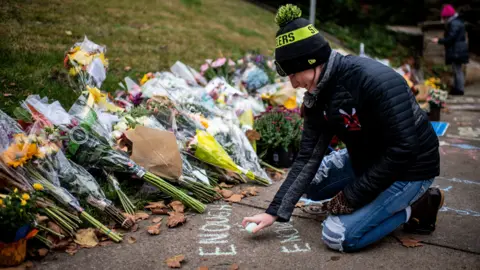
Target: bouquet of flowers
[(194, 137), (437, 98), (222, 67), (86, 64)]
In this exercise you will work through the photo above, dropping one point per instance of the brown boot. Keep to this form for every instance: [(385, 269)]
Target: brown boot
[(424, 212)]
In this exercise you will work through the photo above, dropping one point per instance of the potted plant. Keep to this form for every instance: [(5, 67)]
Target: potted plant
[(280, 131), (17, 217), (436, 100)]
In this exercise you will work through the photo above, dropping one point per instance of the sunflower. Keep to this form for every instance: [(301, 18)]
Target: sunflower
[(15, 156)]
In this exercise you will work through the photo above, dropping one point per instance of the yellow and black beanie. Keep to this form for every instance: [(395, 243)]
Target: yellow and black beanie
[(299, 45)]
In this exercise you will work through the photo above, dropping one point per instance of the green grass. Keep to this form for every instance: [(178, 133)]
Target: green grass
[(145, 35)]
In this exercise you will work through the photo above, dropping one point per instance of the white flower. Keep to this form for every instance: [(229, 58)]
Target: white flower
[(121, 126), (117, 134)]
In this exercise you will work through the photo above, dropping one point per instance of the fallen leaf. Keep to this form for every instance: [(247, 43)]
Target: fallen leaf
[(160, 211), (141, 216), (72, 249), (175, 219), (335, 258), (251, 191), (86, 238), (127, 68), (68, 33), (300, 205), (42, 252), (253, 135), (62, 244), (234, 267), (7, 95), (202, 268), (217, 189), (54, 227), (235, 198), (177, 206), (174, 262), (157, 219), (225, 185), (410, 242), (132, 240), (152, 205), (105, 243), (154, 229), (130, 217), (134, 228), (41, 219), (226, 193)]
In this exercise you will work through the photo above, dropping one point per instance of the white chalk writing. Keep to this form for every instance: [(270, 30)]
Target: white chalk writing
[(215, 232), (290, 238)]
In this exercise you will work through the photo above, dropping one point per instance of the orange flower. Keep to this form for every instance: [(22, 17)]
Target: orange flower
[(15, 156)]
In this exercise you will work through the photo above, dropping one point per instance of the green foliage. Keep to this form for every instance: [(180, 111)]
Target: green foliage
[(278, 127), (286, 14)]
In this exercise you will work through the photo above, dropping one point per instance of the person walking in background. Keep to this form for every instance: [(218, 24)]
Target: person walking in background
[(456, 47)]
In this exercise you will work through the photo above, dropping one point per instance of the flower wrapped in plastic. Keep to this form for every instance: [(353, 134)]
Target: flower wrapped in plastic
[(86, 64)]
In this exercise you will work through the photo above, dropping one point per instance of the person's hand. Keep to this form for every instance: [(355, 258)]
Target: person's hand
[(434, 40), (262, 220), (338, 205)]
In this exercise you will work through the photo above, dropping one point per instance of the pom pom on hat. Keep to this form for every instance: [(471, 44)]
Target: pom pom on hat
[(286, 14)]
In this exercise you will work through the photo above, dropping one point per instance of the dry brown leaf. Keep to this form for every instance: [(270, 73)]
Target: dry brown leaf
[(217, 189), (177, 206), (226, 193), (160, 211), (175, 261), (234, 267), (335, 258), (175, 219), (105, 243), (132, 240), (253, 135), (41, 219), (152, 205), (202, 268), (62, 244), (410, 242), (225, 185), (86, 238), (157, 220), (235, 198), (72, 249), (300, 205), (42, 252), (54, 227), (251, 191), (154, 229), (141, 216), (134, 228)]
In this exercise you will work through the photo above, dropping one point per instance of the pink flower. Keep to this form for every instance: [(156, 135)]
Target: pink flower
[(231, 63), (204, 68), (219, 62)]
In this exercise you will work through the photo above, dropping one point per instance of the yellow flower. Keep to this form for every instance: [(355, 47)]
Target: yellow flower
[(25, 196), (23, 202), (1, 202), (38, 186), (15, 190)]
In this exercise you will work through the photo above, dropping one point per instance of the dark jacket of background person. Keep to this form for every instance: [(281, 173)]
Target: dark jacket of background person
[(455, 42), (371, 109)]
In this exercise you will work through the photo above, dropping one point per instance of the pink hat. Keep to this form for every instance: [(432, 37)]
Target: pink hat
[(447, 11)]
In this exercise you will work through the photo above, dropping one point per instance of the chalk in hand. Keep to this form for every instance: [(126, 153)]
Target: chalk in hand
[(250, 227)]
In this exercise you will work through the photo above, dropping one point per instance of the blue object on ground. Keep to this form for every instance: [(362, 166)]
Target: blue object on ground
[(440, 127)]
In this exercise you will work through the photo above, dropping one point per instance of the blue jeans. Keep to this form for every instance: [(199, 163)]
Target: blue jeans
[(369, 223)]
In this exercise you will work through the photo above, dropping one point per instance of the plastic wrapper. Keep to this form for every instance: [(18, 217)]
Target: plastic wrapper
[(187, 73), (86, 64)]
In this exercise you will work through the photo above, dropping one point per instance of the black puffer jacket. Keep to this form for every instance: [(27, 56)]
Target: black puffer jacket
[(455, 42), (371, 109)]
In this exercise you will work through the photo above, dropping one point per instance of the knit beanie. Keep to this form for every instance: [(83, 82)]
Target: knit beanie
[(299, 45), (447, 11)]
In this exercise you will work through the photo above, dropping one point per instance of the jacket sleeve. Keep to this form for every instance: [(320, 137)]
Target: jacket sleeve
[(452, 34), (392, 105), (314, 143)]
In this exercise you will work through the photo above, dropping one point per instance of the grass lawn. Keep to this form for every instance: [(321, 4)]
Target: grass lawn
[(145, 35)]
